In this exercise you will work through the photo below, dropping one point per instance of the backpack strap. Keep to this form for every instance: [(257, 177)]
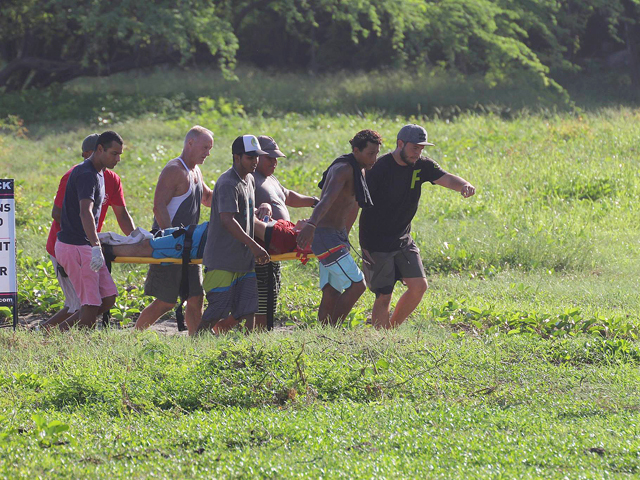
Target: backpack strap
[(184, 280)]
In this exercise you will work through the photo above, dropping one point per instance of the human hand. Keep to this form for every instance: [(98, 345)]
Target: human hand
[(305, 237), (261, 255), (97, 260), (468, 190), (299, 225), (264, 210)]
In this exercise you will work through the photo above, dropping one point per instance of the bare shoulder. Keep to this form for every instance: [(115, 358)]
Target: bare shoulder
[(173, 172), (341, 171)]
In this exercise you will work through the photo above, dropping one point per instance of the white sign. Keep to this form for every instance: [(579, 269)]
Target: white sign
[(8, 283)]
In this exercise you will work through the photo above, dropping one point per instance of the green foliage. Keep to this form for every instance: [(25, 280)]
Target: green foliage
[(58, 40), (569, 323)]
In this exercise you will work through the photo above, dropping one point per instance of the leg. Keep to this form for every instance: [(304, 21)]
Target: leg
[(152, 313), (64, 324), (59, 317), (89, 313), (141, 249), (71, 300), (258, 324), (223, 326), (346, 301), (380, 313), (328, 304), (193, 315), (416, 287)]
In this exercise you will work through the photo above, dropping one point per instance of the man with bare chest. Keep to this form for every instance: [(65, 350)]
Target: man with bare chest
[(344, 191), (179, 193)]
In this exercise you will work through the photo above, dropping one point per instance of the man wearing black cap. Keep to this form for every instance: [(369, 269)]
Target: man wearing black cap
[(390, 254), (231, 252), (272, 200)]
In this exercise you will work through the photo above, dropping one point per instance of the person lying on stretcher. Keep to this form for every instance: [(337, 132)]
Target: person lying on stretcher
[(277, 237)]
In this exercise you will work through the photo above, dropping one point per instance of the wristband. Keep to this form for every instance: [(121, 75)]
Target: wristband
[(312, 224)]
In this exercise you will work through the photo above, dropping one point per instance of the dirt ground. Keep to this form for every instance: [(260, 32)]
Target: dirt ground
[(167, 326)]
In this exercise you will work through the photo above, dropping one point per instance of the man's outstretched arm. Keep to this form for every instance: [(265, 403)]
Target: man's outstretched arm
[(459, 184)]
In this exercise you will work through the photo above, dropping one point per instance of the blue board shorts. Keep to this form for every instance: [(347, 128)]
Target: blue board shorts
[(337, 267), (171, 242)]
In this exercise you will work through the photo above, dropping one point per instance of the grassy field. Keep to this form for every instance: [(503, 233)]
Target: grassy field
[(521, 361)]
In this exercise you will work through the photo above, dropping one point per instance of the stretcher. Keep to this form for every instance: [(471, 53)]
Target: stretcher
[(156, 261), (195, 261)]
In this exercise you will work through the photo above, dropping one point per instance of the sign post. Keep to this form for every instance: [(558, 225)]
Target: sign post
[(8, 276)]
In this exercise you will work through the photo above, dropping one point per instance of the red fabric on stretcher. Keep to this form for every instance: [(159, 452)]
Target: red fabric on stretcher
[(283, 239)]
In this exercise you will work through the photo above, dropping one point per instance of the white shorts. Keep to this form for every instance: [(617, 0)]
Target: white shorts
[(71, 300)]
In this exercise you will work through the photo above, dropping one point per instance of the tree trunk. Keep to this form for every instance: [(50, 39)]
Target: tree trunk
[(632, 34)]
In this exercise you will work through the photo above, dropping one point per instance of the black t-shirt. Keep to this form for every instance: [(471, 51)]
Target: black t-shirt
[(85, 182), (395, 191)]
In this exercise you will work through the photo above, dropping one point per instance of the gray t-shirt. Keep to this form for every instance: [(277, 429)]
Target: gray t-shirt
[(222, 251), (269, 190)]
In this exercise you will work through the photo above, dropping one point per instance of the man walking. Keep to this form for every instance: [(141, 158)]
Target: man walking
[(390, 254), (270, 192), (231, 252), (114, 197), (78, 249), (344, 190), (179, 193)]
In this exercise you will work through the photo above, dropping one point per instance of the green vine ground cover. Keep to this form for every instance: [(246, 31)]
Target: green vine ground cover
[(521, 361)]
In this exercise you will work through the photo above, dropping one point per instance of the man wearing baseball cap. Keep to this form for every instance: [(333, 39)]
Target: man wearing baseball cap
[(272, 200), (389, 252), (114, 197), (231, 252)]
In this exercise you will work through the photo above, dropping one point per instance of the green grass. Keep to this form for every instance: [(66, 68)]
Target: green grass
[(521, 361), (413, 403)]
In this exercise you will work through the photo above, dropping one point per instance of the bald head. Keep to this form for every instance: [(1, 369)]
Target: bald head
[(197, 144)]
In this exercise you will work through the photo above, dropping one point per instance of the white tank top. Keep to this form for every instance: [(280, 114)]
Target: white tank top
[(175, 202)]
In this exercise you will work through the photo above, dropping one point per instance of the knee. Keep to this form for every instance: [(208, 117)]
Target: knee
[(108, 302), (383, 298), (418, 287)]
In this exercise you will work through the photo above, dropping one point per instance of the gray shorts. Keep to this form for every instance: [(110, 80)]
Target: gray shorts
[(163, 282), (383, 269), (71, 300)]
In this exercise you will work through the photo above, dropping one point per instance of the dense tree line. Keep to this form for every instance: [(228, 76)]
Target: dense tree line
[(48, 41)]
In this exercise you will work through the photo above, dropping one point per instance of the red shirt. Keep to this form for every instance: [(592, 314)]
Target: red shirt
[(113, 195)]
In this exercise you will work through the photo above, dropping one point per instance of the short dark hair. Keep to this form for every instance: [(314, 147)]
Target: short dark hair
[(106, 138), (363, 137)]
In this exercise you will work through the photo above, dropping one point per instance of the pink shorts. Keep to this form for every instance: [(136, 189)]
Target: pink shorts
[(90, 286)]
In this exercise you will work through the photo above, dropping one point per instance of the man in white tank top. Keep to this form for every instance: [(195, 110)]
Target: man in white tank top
[(179, 193)]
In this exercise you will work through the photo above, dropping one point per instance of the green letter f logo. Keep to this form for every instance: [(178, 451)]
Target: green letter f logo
[(415, 178)]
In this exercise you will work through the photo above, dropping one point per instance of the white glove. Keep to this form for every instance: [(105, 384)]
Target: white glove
[(97, 260)]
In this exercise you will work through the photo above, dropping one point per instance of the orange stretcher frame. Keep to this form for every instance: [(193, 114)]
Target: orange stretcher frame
[(156, 261)]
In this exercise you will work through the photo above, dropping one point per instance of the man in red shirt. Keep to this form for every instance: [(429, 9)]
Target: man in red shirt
[(114, 196)]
